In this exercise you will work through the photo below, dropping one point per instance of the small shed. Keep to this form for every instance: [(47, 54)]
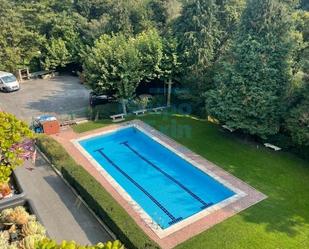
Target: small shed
[(46, 124)]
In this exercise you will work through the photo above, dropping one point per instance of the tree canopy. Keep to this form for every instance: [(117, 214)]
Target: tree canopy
[(120, 63), (251, 86), (244, 62)]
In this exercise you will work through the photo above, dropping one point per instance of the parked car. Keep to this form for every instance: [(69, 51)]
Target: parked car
[(8, 82), (100, 99)]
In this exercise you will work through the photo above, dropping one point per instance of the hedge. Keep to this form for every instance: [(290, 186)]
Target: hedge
[(100, 201)]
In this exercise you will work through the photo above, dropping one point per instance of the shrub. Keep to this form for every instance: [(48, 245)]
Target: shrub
[(50, 244), (101, 202), (19, 229), (13, 133)]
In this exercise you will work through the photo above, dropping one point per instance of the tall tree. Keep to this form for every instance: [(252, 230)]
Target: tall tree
[(18, 45), (204, 31), (149, 45), (118, 64), (252, 83), (163, 12), (197, 30), (297, 120), (170, 64)]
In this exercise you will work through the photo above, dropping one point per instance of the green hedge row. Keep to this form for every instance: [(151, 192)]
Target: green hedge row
[(100, 201)]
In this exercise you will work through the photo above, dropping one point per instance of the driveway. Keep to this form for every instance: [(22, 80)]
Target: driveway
[(62, 96)]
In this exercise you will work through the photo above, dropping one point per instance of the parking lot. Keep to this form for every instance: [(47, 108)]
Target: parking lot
[(62, 96)]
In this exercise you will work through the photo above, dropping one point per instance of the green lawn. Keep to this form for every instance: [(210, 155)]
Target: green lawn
[(281, 221), (91, 125)]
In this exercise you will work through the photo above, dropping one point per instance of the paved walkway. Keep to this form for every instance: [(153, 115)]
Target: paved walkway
[(61, 212)]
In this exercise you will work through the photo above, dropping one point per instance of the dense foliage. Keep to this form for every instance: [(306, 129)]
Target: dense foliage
[(13, 133), (19, 229), (120, 63), (50, 244), (244, 62), (251, 85)]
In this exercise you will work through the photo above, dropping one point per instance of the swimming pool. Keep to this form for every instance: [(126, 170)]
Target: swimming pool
[(163, 183)]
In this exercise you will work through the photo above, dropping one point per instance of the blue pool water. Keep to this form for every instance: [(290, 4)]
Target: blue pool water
[(166, 186)]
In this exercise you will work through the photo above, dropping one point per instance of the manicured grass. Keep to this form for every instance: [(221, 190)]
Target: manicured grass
[(91, 125), (281, 221)]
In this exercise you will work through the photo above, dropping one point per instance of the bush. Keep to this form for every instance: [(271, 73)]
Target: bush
[(19, 229), (13, 135), (101, 202), (50, 244)]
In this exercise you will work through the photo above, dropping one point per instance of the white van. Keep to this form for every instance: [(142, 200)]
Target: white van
[(8, 82)]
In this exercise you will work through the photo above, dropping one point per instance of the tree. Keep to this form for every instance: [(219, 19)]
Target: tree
[(163, 12), (118, 64), (297, 118), (18, 45), (170, 64), (149, 45), (197, 30), (204, 31), (252, 83), (304, 5), (13, 133), (63, 44), (56, 54), (92, 9), (298, 122)]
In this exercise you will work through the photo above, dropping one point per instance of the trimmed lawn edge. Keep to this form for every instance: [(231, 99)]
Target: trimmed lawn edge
[(97, 198)]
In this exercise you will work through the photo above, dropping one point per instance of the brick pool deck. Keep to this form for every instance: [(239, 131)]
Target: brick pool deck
[(248, 197)]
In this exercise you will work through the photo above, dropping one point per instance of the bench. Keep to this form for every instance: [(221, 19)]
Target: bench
[(68, 122), (138, 112), (274, 147), (118, 117), (228, 128), (158, 109)]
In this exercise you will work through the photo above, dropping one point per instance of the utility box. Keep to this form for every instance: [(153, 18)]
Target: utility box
[(51, 127), (47, 124)]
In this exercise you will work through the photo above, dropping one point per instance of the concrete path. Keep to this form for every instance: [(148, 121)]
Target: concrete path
[(64, 216)]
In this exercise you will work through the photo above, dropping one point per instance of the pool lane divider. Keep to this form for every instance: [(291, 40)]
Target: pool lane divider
[(205, 204), (154, 200)]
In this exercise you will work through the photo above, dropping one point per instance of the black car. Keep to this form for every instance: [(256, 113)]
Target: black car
[(100, 99)]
